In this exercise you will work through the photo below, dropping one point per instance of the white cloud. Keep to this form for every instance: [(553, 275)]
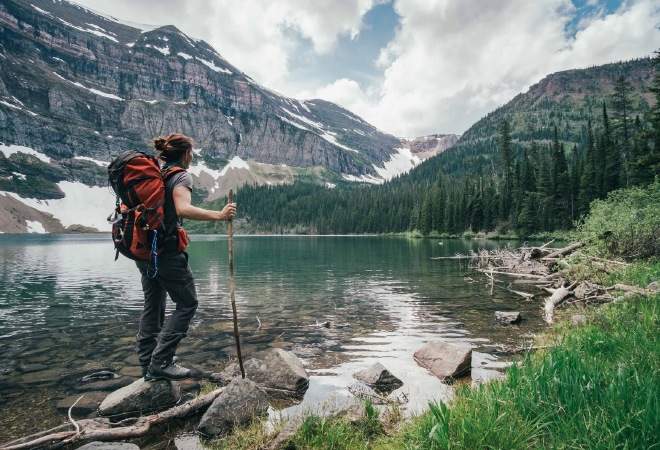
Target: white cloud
[(254, 35), (452, 62)]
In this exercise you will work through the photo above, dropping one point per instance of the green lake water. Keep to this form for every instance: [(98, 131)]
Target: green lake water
[(67, 308)]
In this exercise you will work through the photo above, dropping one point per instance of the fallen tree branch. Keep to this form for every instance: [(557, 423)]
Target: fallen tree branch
[(101, 429), (627, 288), (513, 274), (564, 251), (558, 296)]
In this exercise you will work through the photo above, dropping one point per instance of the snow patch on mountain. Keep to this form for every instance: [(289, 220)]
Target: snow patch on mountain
[(362, 178), (235, 163), (95, 31), (92, 90), (201, 167), (212, 66), (164, 50), (34, 226), (98, 202), (17, 107), (95, 161), (10, 149), (331, 137), (41, 10), (185, 55), (291, 122), (400, 162)]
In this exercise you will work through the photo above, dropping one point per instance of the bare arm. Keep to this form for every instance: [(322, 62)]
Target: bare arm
[(183, 203)]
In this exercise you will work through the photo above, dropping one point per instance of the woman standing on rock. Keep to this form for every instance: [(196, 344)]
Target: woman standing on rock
[(157, 339)]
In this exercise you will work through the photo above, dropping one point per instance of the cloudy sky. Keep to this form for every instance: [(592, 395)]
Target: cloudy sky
[(410, 67)]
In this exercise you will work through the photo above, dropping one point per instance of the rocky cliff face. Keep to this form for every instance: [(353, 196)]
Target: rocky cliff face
[(79, 88), (426, 147)]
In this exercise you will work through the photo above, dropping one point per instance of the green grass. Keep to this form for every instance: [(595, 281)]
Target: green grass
[(599, 389)]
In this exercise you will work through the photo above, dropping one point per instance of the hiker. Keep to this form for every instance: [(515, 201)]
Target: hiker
[(157, 340)]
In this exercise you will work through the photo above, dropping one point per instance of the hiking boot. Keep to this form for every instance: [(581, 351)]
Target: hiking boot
[(168, 371)]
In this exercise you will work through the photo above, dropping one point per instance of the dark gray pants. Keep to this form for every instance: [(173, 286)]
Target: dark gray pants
[(157, 340)]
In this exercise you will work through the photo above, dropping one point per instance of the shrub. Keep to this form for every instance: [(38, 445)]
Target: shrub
[(626, 224)]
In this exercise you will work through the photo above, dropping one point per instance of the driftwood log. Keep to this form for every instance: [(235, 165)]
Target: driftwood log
[(101, 429), (564, 251), (558, 296)]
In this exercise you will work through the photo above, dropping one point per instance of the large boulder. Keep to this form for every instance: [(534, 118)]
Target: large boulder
[(141, 397), (379, 378), (278, 372), (240, 402), (444, 359)]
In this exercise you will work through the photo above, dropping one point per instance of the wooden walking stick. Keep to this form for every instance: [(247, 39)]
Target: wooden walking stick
[(232, 285)]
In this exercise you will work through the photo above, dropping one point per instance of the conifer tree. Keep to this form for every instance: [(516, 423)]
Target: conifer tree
[(612, 163), (504, 145), (588, 180)]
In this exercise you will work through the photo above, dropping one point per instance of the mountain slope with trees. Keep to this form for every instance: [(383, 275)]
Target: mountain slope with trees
[(532, 165)]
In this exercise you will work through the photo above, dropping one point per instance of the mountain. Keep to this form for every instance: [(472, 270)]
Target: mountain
[(551, 178), (77, 88), (566, 99)]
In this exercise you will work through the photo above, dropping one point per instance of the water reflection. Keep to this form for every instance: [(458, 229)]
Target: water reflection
[(66, 306)]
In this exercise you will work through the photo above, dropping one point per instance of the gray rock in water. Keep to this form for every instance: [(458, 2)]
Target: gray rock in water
[(111, 384), (278, 372), (445, 359), (379, 378), (507, 317), (141, 397), (109, 446), (87, 405), (578, 319), (240, 402)]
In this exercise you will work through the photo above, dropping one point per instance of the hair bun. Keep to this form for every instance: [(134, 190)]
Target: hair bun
[(160, 144)]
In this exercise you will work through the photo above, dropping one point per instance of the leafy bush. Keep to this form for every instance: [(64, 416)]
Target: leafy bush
[(626, 224)]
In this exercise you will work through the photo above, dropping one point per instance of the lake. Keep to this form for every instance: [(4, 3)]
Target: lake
[(66, 308)]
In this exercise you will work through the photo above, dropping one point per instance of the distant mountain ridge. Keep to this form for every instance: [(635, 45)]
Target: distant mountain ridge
[(78, 87), (566, 99)]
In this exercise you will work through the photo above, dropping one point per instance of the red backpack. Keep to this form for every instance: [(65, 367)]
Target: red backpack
[(139, 228)]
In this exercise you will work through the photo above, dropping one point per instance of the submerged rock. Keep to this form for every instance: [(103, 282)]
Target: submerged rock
[(379, 378), (240, 402), (87, 405), (141, 397), (279, 372), (507, 317), (109, 446), (445, 359)]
